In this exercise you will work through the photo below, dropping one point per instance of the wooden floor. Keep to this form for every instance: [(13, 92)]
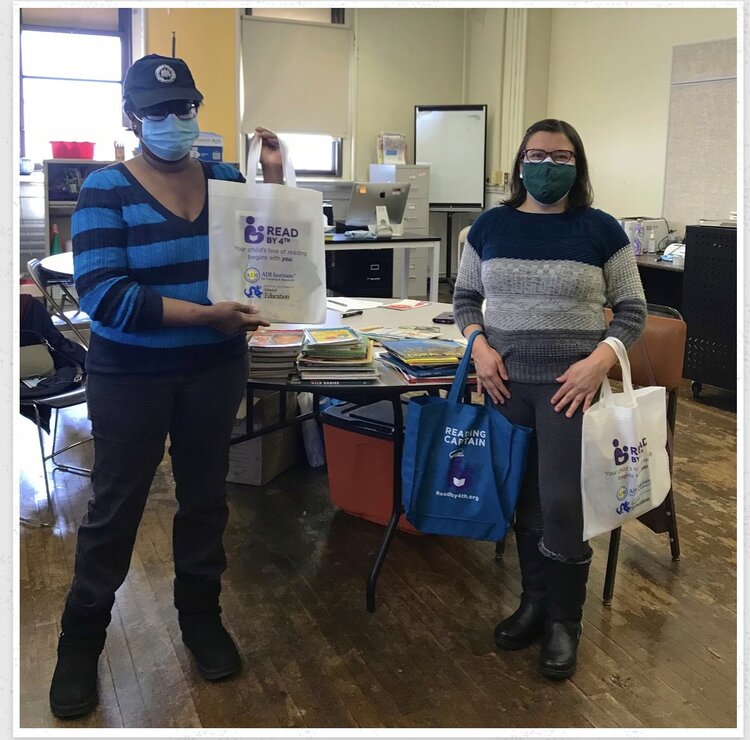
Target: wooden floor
[(663, 655)]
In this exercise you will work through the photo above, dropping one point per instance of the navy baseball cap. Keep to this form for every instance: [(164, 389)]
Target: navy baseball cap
[(156, 79)]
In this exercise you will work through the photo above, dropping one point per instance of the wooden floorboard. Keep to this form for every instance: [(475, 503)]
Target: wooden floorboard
[(662, 655)]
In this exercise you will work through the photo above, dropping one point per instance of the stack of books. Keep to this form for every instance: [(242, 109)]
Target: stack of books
[(424, 360), (337, 356), (273, 352)]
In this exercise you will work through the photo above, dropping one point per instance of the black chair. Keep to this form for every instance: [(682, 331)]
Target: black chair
[(74, 320), (656, 359)]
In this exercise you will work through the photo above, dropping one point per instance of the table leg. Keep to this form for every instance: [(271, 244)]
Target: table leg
[(398, 443)]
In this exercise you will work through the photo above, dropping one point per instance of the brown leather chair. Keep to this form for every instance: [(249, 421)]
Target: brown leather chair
[(655, 359)]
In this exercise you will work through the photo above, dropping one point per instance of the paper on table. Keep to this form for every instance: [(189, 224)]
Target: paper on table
[(406, 303), (340, 303)]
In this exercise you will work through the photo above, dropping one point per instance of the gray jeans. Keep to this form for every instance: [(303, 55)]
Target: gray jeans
[(550, 501)]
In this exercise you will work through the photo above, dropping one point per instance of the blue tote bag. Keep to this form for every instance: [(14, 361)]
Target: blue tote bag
[(463, 464)]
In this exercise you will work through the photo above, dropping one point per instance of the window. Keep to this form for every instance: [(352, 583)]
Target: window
[(314, 155), (71, 85)]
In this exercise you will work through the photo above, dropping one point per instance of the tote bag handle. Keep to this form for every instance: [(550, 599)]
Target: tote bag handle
[(627, 381), (253, 158), (462, 372)]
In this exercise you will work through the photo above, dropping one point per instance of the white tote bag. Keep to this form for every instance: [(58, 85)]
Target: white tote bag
[(266, 245), (624, 460)]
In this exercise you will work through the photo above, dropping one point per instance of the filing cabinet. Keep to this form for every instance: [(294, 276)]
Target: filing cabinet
[(416, 220)]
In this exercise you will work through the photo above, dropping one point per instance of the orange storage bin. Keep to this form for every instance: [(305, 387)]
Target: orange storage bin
[(359, 455)]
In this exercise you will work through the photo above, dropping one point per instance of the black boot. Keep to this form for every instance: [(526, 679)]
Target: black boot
[(522, 627), (566, 592), (202, 631), (73, 689)]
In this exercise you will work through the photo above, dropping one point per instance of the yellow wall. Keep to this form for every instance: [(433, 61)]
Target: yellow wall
[(609, 77), (206, 40)]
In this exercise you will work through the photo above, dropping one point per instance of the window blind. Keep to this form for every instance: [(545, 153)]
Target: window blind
[(296, 77), (701, 164)]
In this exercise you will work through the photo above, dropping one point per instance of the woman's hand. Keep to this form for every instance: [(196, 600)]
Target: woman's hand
[(582, 379), (270, 152), (231, 317), (490, 370)]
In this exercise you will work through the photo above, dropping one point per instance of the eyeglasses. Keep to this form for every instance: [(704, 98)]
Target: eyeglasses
[(183, 109), (559, 156)]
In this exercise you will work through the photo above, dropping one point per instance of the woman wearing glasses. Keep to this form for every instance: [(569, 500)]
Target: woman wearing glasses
[(547, 263), (162, 361)]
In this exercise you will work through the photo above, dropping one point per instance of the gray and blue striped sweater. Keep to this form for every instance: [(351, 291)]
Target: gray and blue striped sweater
[(546, 279), (129, 253)]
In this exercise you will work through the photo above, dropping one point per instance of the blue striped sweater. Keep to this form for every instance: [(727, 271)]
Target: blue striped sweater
[(546, 279), (129, 253)]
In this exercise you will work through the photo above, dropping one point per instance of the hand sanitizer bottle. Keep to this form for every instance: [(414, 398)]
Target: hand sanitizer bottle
[(651, 242), (638, 237)]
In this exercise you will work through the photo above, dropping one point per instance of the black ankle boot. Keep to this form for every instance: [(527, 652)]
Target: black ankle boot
[(73, 690), (560, 649), (211, 645), (566, 592), (197, 602), (522, 627)]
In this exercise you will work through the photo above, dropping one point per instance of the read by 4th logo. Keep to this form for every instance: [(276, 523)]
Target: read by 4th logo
[(254, 233), (628, 453)]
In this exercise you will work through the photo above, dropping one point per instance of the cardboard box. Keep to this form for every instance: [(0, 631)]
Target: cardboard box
[(209, 146), (257, 461)]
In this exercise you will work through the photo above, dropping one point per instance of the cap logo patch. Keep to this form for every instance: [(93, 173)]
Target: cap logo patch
[(165, 73)]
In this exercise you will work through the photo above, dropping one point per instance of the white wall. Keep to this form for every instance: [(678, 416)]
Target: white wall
[(609, 77), (405, 57)]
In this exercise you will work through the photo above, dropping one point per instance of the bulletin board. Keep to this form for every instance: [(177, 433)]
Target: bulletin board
[(452, 139), (701, 165)]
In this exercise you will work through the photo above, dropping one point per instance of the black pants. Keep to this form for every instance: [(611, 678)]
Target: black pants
[(131, 416), (550, 500)]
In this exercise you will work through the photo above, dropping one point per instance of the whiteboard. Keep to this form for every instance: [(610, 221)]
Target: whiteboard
[(452, 139)]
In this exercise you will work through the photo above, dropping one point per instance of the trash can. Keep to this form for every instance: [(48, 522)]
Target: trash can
[(359, 455)]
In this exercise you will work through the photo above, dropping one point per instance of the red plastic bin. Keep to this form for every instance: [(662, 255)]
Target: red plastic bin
[(72, 149), (359, 455)]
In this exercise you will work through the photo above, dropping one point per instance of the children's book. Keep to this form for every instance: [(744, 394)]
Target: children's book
[(332, 335), (426, 351)]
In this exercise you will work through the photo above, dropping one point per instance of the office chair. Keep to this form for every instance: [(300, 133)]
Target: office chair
[(656, 359), (76, 320), (54, 404)]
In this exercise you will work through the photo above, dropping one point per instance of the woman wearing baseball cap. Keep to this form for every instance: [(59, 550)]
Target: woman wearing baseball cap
[(163, 361)]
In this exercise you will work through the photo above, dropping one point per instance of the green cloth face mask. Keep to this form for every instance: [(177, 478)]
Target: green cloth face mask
[(547, 182)]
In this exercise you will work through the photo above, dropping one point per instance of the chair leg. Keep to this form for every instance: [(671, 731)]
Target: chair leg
[(41, 522), (674, 537), (500, 549), (65, 467), (609, 578)]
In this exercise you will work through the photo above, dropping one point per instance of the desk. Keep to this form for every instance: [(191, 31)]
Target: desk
[(390, 387), (62, 264), (401, 246), (662, 281)]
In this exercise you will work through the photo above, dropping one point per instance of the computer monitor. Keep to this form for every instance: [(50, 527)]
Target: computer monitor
[(366, 196)]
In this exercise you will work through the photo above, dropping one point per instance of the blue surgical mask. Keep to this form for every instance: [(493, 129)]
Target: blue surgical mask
[(170, 139)]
